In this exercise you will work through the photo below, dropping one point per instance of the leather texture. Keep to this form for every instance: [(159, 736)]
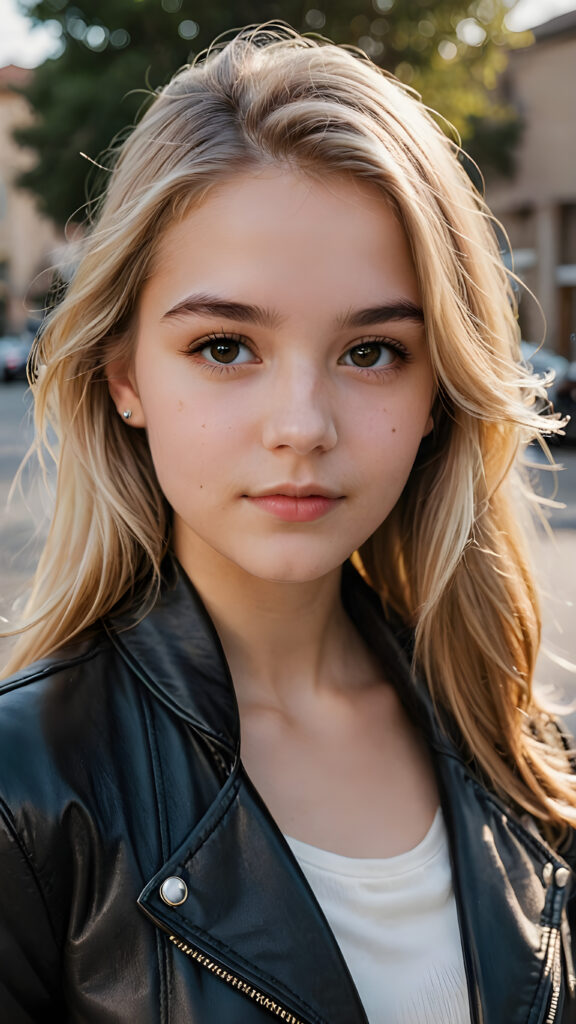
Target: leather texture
[(120, 768)]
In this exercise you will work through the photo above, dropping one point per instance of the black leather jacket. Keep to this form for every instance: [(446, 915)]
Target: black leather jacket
[(120, 768)]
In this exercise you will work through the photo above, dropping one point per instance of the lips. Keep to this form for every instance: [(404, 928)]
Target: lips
[(290, 490), (294, 504)]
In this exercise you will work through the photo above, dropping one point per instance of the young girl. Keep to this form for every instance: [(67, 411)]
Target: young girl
[(270, 748)]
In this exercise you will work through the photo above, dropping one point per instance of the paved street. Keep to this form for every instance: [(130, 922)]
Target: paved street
[(556, 558), (19, 517)]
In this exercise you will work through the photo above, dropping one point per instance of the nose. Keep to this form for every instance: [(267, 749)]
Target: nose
[(300, 413)]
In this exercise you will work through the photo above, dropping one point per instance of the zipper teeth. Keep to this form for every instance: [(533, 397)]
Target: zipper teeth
[(232, 979), (554, 969), (286, 1015)]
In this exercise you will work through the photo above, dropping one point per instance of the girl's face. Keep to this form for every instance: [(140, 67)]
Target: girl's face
[(281, 373)]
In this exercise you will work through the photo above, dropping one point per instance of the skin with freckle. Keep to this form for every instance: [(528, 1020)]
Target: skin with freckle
[(292, 408)]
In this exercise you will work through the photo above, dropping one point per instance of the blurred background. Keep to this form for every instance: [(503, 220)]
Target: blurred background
[(74, 76)]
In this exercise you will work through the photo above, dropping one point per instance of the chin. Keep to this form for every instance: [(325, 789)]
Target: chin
[(293, 569)]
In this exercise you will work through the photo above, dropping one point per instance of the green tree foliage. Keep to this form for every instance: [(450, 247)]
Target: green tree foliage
[(115, 52)]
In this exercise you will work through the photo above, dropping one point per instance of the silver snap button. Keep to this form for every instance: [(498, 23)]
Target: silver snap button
[(547, 873), (561, 877), (174, 891)]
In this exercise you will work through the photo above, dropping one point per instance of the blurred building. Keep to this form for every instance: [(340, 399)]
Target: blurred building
[(538, 205), (27, 240)]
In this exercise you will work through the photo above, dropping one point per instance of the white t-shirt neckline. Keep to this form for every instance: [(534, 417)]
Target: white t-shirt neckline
[(373, 867), (396, 922)]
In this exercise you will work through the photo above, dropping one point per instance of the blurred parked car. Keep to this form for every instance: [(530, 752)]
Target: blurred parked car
[(562, 390), (14, 352), (542, 361)]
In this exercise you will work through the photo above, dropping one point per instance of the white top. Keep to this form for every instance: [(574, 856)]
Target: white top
[(395, 921)]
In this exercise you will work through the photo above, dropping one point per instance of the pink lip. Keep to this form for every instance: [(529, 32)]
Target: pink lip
[(295, 508)]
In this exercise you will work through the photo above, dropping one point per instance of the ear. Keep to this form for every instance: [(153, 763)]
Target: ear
[(124, 393), (429, 426)]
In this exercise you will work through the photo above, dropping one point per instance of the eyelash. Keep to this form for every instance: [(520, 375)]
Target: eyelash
[(388, 344), (220, 368), (212, 339)]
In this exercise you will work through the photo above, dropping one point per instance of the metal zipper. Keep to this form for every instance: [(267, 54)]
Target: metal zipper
[(554, 968), (243, 986)]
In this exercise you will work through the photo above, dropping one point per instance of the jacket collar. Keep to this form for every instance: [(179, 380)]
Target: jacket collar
[(189, 673), (209, 702)]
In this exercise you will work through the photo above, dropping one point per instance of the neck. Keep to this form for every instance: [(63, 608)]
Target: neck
[(282, 640)]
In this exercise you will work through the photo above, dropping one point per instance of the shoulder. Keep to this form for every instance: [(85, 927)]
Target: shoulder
[(54, 716), (73, 738), (74, 763), (65, 660), (30, 692)]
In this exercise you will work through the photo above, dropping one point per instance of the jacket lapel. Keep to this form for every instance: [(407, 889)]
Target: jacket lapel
[(511, 891), (249, 911)]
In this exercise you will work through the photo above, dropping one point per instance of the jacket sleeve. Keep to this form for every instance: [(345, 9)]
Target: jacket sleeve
[(30, 970)]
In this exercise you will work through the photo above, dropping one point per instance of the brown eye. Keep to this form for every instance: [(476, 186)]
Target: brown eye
[(368, 354), (224, 350)]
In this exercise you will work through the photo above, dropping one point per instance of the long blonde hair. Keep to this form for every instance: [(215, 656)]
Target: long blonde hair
[(452, 557)]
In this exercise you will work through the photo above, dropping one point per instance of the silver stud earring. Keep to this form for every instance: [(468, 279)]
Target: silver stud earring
[(127, 414)]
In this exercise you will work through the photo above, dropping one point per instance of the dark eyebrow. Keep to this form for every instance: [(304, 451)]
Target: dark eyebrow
[(402, 309), (212, 305)]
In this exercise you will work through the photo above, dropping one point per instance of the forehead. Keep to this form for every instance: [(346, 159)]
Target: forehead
[(275, 235)]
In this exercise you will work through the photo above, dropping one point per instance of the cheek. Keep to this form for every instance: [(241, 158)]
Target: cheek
[(191, 446), (387, 445), (395, 427)]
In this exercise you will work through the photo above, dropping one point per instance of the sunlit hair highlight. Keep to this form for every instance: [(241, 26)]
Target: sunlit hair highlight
[(452, 560)]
